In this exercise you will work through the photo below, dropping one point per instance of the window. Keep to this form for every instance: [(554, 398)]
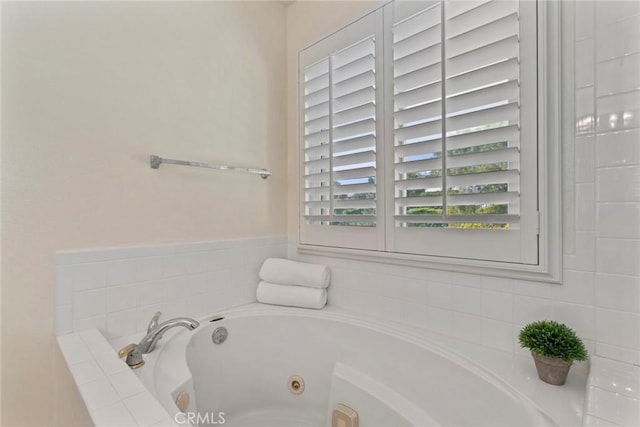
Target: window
[(420, 134)]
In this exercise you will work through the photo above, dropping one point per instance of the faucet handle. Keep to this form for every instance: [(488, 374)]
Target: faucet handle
[(124, 351), (133, 356), (154, 321)]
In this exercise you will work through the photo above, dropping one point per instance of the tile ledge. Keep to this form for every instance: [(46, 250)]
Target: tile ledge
[(84, 342)]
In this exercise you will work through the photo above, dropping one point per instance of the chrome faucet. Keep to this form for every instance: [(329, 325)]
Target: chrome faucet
[(155, 331)]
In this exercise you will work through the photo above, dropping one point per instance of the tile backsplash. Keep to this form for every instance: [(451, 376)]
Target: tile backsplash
[(118, 290)]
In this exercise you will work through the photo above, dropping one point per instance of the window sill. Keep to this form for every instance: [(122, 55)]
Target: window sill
[(538, 273)]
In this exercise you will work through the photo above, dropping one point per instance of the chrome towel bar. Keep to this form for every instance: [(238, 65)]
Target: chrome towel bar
[(156, 161)]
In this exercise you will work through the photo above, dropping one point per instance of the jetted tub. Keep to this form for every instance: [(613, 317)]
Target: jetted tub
[(388, 376)]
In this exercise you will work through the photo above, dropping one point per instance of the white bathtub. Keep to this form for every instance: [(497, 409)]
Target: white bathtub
[(390, 377)]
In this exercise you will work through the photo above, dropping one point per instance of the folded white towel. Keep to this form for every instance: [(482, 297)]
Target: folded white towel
[(286, 272), (295, 296)]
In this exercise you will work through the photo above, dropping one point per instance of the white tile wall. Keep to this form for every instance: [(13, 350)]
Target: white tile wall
[(600, 295), (118, 290), (617, 192)]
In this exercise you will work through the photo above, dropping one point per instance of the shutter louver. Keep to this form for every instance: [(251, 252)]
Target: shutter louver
[(340, 137), (470, 177)]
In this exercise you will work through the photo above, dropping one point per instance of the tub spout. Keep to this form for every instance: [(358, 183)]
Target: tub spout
[(148, 343), (154, 322)]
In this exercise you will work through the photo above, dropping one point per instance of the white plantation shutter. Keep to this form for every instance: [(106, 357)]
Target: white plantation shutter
[(339, 132), (354, 135), (417, 108), (419, 132), (316, 139), (483, 112), (458, 179)]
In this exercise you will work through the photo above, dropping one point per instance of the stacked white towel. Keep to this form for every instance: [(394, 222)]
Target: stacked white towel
[(286, 272), (297, 284), (295, 296)]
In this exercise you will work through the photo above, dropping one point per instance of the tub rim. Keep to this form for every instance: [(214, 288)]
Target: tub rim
[(427, 340)]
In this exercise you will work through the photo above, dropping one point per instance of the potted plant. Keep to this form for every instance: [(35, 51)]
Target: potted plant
[(554, 346)]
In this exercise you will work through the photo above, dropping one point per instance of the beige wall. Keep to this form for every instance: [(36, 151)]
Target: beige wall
[(89, 91), (307, 22)]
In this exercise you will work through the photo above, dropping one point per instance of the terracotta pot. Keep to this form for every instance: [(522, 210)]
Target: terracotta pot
[(551, 370)]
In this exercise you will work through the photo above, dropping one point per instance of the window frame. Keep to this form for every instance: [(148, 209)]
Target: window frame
[(548, 268)]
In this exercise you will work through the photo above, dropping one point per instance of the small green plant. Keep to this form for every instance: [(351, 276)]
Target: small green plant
[(552, 339)]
